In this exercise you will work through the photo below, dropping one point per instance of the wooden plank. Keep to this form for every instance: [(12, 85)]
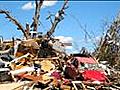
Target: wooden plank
[(80, 82), (11, 86)]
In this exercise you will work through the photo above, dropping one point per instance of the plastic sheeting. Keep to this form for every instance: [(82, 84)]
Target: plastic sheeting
[(94, 75)]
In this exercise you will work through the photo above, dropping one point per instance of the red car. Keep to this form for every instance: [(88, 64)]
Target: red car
[(84, 68)]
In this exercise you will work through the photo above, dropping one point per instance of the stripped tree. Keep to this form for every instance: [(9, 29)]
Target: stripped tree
[(57, 19), (37, 15), (25, 31), (35, 23), (109, 47)]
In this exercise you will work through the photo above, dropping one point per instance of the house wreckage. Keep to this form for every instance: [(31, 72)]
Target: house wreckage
[(39, 62)]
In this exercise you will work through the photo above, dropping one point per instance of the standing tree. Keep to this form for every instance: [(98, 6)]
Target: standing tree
[(109, 47), (35, 23), (25, 31)]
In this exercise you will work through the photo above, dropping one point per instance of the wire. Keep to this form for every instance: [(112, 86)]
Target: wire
[(84, 29)]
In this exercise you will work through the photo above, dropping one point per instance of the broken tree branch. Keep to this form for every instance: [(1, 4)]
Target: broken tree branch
[(57, 19), (13, 20)]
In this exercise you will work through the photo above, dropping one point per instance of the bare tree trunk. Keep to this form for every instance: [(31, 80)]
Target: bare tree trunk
[(37, 15)]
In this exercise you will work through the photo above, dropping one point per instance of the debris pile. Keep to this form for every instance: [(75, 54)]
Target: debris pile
[(39, 62), (35, 65)]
